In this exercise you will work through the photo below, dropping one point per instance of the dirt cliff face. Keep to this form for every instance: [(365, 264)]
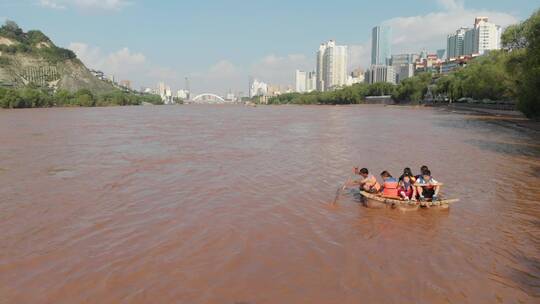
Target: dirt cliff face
[(74, 76), (27, 67)]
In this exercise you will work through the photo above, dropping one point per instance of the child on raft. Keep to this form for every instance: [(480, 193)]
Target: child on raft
[(406, 189), (427, 187), (390, 185)]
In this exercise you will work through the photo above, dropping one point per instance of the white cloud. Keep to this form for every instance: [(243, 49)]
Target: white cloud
[(52, 4), (225, 75), (90, 56), (223, 68), (123, 64), (411, 34), (124, 59), (451, 5), (162, 73), (219, 78), (359, 55), (85, 4), (280, 69)]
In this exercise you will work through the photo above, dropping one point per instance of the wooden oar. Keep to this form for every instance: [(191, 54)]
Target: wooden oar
[(426, 185), (338, 192)]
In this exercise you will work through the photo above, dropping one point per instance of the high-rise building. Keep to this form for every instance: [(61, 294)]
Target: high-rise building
[(403, 65), (320, 67), (301, 81), (381, 50), (358, 73), (380, 73), (484, 36), (230, 97), (305, 81), (331, 66), (441, 54), (456, 43), (162, 88), (487, 36), (258, 88), (311, 81), (182, 94), (469, 42), (404, 71), (400, 59)]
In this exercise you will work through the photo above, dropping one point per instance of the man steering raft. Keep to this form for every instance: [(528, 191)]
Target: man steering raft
[(368, 182)]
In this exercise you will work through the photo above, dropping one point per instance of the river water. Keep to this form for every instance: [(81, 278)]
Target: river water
[(231, 204)]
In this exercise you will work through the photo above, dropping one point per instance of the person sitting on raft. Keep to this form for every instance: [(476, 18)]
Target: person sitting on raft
[(422, 170), (368, 182), (427, 187), (406, 189), (390, 185), (407, 171)]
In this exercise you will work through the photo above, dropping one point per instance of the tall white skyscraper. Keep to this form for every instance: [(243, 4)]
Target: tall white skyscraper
[(487, 36), (484, 36), (305, 81), (381, 49), (311, 81), (331, 66), (301, 80)]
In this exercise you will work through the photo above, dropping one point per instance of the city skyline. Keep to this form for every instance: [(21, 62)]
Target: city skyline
[(160, 49)]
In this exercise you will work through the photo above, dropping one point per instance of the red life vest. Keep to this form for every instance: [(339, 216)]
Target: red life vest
[(390, 188)]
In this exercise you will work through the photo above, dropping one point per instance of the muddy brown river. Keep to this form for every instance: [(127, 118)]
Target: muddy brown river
[(231, 204)]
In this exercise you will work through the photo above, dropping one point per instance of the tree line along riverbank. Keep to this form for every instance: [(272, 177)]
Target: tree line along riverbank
[(512, 73), (13, 98)]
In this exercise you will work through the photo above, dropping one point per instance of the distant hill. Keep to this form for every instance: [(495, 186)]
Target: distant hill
[(32, 59)]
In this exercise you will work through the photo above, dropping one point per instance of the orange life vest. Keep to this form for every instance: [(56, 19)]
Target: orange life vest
[(391, 186), (371, 183)]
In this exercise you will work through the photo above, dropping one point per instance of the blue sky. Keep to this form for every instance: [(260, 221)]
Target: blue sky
[(218, 44)]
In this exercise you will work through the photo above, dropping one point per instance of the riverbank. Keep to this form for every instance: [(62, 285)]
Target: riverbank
[(513, 119), (507, 118)]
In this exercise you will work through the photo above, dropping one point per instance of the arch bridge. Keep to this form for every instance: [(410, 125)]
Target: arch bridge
[(209, 98)]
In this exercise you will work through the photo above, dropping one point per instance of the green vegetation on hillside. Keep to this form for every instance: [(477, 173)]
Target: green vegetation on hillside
[(36, 93), (33, 42), (39, 98)]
